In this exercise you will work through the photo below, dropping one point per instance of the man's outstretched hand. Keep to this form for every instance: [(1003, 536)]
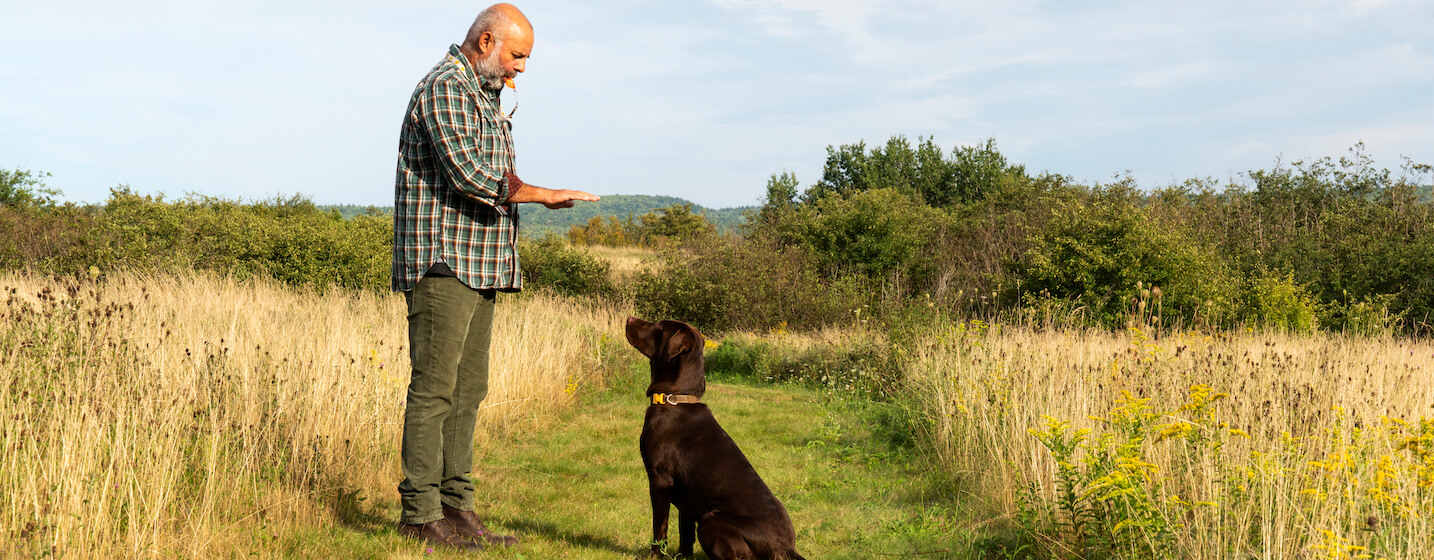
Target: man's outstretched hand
[(552, 198)]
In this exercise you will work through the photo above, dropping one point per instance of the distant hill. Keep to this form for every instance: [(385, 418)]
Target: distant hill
[(538, 220), (350, 210)]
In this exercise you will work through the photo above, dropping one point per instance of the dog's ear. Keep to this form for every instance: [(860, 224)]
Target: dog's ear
[(681, 338), (641, 335)]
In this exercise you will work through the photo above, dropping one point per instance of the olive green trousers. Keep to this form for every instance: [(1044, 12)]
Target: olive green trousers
[(450, 328)]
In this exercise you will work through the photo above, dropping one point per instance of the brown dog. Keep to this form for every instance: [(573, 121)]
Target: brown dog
[(693, 464)]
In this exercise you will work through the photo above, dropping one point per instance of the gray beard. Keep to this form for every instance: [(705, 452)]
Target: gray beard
[(489, 71)]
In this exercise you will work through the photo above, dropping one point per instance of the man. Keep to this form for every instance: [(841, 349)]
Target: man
[(455, 230)]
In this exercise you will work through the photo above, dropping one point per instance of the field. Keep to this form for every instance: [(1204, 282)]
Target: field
[(1246, 445), (199, 416)]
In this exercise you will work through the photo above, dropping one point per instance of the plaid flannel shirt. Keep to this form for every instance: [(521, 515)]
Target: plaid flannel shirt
[(450, 196)]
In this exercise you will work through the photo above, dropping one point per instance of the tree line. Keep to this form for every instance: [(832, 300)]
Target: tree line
[(887, 232), (1333, 243)]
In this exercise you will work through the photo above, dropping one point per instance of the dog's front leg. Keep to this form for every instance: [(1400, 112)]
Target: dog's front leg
[(661, 495), (686, 531)]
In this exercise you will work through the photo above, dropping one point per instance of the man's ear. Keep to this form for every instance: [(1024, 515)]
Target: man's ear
[(486, 42), (640, 336)]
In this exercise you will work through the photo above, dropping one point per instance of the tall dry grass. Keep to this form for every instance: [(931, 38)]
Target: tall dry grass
[(624, 262), (188, 416), (1251, 445)]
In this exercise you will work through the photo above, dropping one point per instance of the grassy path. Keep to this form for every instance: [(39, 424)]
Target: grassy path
[(574, 487)]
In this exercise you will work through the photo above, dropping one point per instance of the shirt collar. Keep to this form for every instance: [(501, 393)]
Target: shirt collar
[(456, 58)]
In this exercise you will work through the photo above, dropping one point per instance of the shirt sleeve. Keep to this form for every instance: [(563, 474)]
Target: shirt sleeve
[(456, 130)]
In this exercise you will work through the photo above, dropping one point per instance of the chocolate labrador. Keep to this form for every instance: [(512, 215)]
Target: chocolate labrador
[(693, 464)]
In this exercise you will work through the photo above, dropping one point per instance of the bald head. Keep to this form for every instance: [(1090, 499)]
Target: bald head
[(502, 21), (498, 44)]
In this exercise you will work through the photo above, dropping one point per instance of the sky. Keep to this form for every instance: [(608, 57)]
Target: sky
[(706, 99)]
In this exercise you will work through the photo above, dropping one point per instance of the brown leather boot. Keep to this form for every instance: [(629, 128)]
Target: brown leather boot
[(467, 524), (438, 533)]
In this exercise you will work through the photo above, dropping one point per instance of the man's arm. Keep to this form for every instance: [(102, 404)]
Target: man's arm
[(455, 129), (518, 191)]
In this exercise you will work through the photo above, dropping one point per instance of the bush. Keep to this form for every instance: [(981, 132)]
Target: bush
[(22, 188), (53, 240), (605, 230), (874, 232), (287, 239), (1279, 303), (551, 263), (1374, 315), (1106, 255), (970, 174), (664, 226), (676, 223), (290, 239), (1356, 236), (722, 282)]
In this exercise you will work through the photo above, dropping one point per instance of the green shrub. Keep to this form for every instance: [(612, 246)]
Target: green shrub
[(58, 239), (550, 262), (287, 239), (290, 239), (143, 231), (1356, 236), (874, 232), (677, 289), (676, 223), (605, 230), (779, 203), (323, 251), (1278, 302), (725, 282), (664, 226), (1369, 315), (970, 174), (22, 189), (1106, 255)]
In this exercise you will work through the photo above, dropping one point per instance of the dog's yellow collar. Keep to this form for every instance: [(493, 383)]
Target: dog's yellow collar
[(665, 398)]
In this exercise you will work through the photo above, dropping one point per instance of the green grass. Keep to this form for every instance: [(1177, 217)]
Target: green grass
[(573, 486)]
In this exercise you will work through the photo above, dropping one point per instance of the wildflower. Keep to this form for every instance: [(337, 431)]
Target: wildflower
[(1177, 429)]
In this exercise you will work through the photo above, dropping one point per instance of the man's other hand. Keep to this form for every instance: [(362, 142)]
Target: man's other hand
[(552, 198), (565, 198)]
